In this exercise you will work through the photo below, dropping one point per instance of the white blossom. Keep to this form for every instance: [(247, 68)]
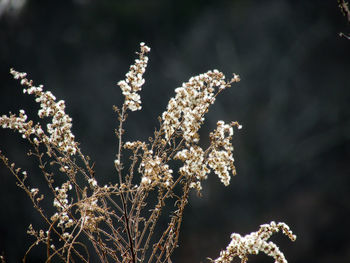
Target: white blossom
[(254, 243), (134, 80), (59, 129)]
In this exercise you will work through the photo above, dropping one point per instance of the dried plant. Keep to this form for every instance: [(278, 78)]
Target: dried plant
[(118, 221)]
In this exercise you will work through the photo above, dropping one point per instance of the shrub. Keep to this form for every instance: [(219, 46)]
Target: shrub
[(119, 220)]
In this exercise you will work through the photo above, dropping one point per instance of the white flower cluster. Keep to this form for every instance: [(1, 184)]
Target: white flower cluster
[(60, 129), (18, 123), (88, 207), (255, 242), (61, 203), (194, 165), (186, 111), (152, 167), (154, 171), (134, 80), (219, 157), (134, 145)]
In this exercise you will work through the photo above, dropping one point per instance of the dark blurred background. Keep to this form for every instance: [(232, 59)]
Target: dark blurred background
[(293, 102)]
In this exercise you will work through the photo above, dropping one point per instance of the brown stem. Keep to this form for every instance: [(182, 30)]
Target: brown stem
[(126, 217)]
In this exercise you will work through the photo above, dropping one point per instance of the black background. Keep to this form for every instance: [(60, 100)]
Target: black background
[(293, 102)]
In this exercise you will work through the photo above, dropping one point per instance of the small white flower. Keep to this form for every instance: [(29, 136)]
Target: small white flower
[(34, 191), (92, 182), (145, 180)]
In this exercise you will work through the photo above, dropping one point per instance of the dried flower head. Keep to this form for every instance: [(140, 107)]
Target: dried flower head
[(186, 110), (59, 130), (254, 243), (134, 80)]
